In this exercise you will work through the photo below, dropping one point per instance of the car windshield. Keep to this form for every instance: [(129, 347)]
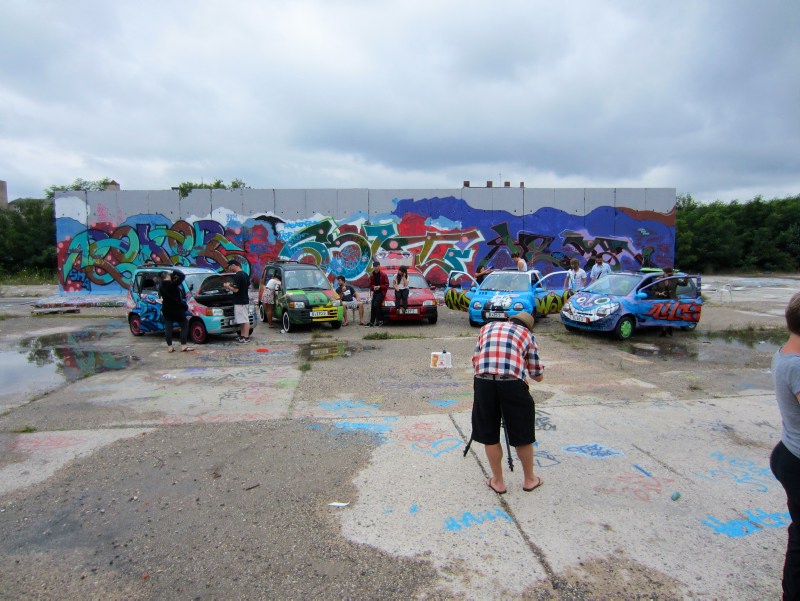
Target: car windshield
[(307, 279), (415, 280), (195, 280), (617, 284), (507, 281)]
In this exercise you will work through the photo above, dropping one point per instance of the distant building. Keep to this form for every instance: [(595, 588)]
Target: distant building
[(3, 195)]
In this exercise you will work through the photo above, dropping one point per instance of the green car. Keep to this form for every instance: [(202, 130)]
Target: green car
[(306, 296)]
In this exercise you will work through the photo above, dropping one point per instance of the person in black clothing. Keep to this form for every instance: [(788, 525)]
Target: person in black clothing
[(173, 308), (241, 300), (378, 285)]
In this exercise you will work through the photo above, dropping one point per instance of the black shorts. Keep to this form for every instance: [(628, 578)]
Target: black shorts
[(513, 398)]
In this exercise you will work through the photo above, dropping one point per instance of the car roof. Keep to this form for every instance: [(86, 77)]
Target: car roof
[(181, 268), (292, 264)]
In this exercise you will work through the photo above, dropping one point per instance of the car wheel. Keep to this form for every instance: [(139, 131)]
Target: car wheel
[(287, 323), (473, 323), (197, 331), (625, 328), (433, 318), (262, 313), (571, 328), (135, 324), (336, 324), (689, 327)]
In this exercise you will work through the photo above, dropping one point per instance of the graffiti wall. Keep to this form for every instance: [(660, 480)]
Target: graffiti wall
[(103, 236)]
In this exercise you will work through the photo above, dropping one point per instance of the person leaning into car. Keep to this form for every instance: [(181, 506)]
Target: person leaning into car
[(173, 308), (378, 286)]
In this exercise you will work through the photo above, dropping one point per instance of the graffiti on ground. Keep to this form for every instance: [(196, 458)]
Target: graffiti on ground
[(757, 519)]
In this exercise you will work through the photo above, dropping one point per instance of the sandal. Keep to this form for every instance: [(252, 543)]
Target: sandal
[(170, 349), (188, 349)]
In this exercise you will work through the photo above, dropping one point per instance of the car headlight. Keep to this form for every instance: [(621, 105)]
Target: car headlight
[(297, 305), (217, 312), (606, 310), (388, 303), (428, 303), (336, 303), (518, 307), (476, 305), (567, 309), (506, 303)]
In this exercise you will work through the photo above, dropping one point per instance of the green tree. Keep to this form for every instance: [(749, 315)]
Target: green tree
[(185, 188), (78, 185), (28, 237)]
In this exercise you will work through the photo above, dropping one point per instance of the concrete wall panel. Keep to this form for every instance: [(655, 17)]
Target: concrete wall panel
[(445, 230)]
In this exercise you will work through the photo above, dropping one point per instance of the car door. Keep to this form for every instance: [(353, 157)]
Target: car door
[(682, 311), (460, 285), (549, 294), (146, 297)]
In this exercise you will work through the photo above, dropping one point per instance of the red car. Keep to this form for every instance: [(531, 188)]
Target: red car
[(421, 301)]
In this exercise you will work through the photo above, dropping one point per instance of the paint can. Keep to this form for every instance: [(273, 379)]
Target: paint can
[(441, 360)]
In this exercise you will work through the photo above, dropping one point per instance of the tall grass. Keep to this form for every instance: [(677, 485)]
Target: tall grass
[(28, 277)]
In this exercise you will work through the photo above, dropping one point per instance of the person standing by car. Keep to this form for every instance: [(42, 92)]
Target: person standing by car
[(270, 294), (481, 274), (576, 277), (600, 269), (401, 288), (241, 300), (519, 262), (173, 308), (349, 299), (378, 286), (505, 351), (785, 458)]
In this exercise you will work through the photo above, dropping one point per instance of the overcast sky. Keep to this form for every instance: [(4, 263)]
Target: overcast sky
[(700, 96)]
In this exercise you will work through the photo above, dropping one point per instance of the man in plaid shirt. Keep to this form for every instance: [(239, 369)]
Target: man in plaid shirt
[(505, 351)]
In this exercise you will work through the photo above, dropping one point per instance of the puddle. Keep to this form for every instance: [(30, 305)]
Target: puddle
[(47, 362), (711, 346), (317, 351)]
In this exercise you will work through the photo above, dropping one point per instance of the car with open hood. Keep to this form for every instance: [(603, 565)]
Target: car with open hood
[(624, 301), (210, 304), (306, 296), (506, 292)]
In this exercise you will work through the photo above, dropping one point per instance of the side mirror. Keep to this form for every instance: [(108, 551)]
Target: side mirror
[(473, 289), (641, 295)]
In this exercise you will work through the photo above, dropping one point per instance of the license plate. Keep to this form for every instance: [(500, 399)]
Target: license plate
[(495, 315), (412, 311), (319, 314)]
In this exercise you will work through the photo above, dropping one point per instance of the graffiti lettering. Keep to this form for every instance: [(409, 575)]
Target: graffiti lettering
[(105, 258), (757, 519), (469, 519), (742, 471), (593, 450), (675, 311), (639, 486)]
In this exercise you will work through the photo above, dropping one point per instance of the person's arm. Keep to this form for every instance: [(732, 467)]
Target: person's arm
[(534, 365)]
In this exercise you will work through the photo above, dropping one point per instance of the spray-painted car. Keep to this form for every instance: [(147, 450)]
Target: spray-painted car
[(306, 297), (210, 304), (504, 293), (624, 301)]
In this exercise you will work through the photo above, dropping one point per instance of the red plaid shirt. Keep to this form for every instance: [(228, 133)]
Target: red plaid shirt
[(506, 349)]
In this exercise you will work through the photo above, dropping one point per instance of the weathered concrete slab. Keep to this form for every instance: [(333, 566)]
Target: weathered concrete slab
[(33, 457)]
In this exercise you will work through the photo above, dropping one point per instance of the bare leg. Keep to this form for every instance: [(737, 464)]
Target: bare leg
[(494, 453), (269, 310), (525, 454), (361, 313)]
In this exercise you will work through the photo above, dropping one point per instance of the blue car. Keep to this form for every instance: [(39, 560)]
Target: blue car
[(625, 301), (210, 305), (504, 293)]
